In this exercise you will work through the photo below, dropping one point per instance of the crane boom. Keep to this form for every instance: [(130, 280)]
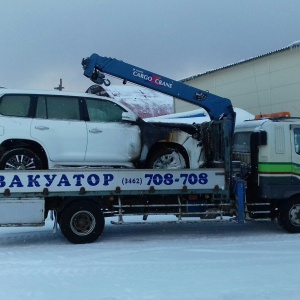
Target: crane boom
[(217, 107)]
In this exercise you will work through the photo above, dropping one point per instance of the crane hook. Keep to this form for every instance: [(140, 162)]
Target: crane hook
[(99, 78), (106, 82)]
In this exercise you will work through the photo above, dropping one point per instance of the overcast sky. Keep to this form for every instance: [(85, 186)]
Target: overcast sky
[(45, 40)]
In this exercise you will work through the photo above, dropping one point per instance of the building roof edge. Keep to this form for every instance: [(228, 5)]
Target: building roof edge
[(291, 46)]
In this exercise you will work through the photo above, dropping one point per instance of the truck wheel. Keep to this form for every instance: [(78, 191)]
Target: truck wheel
[(289, 216), (20, 159), (167, 158), (82, 222)]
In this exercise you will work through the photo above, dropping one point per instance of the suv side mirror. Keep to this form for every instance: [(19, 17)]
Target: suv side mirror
[(129, 116)]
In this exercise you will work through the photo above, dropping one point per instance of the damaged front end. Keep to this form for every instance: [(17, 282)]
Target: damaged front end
[(201, 145)]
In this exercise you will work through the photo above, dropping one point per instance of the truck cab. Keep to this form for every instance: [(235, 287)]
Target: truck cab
[(268, 151)]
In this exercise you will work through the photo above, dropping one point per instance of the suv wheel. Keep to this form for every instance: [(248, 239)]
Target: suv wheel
[(167, 158), (20, 159)]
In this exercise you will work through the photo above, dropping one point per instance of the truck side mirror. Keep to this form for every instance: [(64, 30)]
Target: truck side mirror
[(260, 138)]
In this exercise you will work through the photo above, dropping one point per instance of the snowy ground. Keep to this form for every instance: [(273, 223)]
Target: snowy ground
[(256, 260)]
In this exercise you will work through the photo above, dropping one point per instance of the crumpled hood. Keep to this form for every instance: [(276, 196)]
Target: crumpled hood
[(191, 129)]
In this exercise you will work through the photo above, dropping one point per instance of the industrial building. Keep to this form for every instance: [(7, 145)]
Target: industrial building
[(265, 84)]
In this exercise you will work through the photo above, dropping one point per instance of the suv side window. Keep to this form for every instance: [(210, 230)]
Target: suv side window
[(15, 105), (103, 111), (58, 107)]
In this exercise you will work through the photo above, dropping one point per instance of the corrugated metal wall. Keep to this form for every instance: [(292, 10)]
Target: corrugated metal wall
[(266, 84)]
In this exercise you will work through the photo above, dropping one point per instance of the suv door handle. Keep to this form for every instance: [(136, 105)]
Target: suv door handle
[(95, 130), (41, 127)]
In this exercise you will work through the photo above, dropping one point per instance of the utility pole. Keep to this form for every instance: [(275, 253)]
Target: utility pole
[(60, 87)]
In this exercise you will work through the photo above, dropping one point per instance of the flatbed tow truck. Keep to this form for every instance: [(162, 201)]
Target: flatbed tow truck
[(81, 198)]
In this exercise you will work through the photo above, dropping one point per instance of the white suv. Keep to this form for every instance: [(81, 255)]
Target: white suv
[(46, 130)]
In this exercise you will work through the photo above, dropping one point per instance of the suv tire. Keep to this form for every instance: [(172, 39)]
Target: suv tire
[(20, 159), (167, 158)]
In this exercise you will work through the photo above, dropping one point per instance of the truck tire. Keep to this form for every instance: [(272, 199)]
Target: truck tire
[(20, 159), (82, 222), (289, 216), (167, 158)]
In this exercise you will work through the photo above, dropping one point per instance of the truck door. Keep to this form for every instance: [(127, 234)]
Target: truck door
[(295, 148)]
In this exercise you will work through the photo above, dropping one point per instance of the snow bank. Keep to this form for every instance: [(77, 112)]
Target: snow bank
[(255, 260)]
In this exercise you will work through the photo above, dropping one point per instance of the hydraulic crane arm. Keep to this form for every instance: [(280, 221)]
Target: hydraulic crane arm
[(217, 107)]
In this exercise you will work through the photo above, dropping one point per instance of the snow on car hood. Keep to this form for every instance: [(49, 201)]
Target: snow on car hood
[(197, 116)]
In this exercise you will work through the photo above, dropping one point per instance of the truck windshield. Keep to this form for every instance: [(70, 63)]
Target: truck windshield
[(241, 142)]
